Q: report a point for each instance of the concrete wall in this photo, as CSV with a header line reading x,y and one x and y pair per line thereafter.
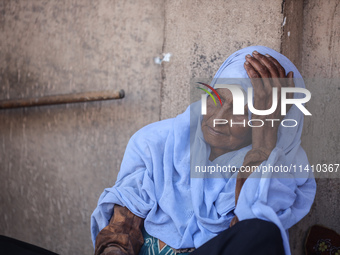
x,y
202,34
320,59
56,160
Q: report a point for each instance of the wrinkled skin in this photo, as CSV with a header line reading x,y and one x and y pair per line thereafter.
x,y
123,234
224,138
265,73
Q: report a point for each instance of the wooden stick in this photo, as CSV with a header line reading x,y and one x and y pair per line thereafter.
x,y
62,99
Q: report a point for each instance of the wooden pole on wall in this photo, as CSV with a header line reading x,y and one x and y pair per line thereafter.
x,y
62,99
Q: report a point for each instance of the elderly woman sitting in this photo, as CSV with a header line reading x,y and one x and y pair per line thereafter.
x,y
165,200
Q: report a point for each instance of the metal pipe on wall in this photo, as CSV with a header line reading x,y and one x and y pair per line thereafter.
x,y
63,99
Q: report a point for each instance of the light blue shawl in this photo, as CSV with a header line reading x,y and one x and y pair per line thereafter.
x,y
154,180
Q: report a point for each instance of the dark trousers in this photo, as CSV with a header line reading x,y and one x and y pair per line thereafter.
x,y
247,237
10,246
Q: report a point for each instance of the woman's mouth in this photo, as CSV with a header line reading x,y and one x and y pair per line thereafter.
x,y
213,131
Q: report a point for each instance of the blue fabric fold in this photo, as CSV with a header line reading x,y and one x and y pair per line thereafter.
x,y
154,181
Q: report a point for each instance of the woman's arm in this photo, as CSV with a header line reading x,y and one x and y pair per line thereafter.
x,y
122,236
265,73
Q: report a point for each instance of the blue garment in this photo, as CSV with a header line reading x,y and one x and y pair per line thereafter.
x,y
154,180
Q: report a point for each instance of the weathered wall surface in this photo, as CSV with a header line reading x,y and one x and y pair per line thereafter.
x,y
292,31
202,34
320,58
56,160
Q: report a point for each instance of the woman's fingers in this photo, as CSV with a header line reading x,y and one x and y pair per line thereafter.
x,y
281,70
262,70
255,79
290,77
265,73
275,69
252,73
290,83
272,68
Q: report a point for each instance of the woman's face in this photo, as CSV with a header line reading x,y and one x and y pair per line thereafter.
x,y
224,138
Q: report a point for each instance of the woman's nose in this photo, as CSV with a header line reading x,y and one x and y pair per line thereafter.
x,y
224,112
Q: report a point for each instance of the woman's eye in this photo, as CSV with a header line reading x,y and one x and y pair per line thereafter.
x,y
210,100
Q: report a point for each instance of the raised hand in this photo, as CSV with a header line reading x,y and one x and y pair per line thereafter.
x,y
265,73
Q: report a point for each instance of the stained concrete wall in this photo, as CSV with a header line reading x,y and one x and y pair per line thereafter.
x,y
56,160
320,59
202,34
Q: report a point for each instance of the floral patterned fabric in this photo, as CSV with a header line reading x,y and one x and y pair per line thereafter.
x,y
153,246
322,241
